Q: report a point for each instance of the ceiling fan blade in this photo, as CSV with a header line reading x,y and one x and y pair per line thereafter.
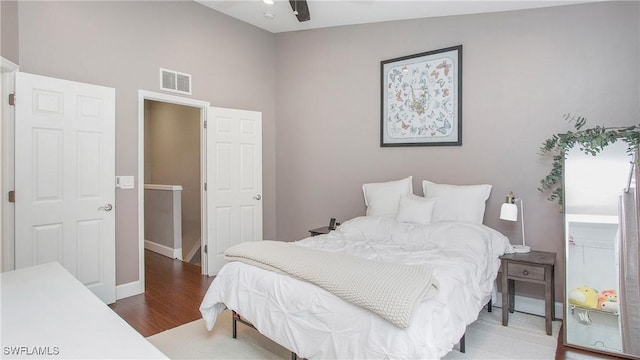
x,y
300,9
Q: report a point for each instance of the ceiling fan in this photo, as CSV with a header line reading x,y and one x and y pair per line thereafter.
x,y
300,9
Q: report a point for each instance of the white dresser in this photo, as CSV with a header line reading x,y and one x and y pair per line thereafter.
x,y
47,313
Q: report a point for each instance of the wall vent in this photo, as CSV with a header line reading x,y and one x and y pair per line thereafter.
x,y
174,81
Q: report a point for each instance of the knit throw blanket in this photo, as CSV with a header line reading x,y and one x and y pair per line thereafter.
x,y
392,291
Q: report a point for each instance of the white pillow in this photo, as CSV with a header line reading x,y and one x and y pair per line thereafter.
x,y
457,202
415,209
382,199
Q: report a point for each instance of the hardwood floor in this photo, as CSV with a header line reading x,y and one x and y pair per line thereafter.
x,y
175,289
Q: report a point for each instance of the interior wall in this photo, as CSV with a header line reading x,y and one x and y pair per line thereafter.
x,y
122,44
522,71
172,157
9,30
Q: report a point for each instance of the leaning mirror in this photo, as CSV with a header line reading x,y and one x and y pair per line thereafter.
x,y
602,295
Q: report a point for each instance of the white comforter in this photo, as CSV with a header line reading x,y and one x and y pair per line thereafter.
x,y
318,325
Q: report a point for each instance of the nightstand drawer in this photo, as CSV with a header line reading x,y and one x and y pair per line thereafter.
x,y
525,271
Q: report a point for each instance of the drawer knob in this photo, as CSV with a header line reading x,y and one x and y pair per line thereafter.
x,y
525,272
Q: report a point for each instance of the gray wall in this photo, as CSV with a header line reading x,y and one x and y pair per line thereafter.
x,y
162,213
9,30
521,72
122,44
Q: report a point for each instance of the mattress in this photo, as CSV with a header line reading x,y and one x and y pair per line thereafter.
x,y
316,324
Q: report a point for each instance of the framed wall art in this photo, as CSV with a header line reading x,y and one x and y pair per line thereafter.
x,y
422,99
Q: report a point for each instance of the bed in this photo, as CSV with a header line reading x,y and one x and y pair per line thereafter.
x,y
461,256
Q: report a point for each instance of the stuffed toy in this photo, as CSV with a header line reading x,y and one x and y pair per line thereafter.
x,y
584,296
608,301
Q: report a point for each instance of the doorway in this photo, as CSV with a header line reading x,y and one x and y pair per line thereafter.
x,y
172,180
201,107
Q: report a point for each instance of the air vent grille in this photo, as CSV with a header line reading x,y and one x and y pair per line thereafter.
x,y
174,81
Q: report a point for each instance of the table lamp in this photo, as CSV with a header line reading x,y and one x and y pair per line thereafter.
x,y
509,212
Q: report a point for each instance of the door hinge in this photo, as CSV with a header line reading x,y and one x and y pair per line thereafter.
x,y
12,99
205,124
206,249
205,186
12,196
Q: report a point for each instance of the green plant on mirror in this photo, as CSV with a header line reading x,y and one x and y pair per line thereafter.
x,y
590,141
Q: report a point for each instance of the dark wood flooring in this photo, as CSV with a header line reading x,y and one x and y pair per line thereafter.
x,y
174,290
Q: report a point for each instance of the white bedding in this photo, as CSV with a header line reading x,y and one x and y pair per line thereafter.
x,y
318,325
391,290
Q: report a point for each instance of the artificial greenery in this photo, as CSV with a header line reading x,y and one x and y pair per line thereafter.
x,y
590,141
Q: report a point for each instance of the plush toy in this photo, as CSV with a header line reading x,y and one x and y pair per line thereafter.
x,y
584,296
612,307
608,301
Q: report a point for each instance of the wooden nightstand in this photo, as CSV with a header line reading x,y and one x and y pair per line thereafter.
x,y
319,231
534,267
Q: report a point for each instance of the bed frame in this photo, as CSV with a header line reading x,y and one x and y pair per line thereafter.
x,y
237,319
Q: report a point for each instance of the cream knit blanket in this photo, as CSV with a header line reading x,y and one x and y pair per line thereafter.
x,y
392,291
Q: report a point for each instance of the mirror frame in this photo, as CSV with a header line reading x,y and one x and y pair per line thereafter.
x,y
566,258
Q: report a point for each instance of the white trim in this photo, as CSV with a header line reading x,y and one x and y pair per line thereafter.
x,y
193,251
163,187
7,210
129,289
203,105
529,305
7,65
163,250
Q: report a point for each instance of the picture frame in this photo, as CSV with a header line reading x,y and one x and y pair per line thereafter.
x,y
421,99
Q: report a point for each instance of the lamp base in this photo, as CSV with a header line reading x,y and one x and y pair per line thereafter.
x,y
521,249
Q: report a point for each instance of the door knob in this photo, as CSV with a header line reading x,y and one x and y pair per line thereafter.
x,y
257,197
107,207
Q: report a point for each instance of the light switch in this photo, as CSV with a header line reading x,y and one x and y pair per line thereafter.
x,y
124,182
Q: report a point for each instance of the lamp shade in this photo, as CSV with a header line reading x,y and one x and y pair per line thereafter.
x,y
509,212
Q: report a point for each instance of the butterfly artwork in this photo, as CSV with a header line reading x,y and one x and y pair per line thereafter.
x,y
420,98
446,125
445,66
393,74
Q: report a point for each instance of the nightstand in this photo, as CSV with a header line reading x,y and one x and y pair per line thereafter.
x,y
534,267
319,231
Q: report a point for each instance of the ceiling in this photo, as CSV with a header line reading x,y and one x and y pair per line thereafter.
x,y
326,13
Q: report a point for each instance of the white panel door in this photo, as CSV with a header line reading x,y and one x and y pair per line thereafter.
x,y
234,181
65,179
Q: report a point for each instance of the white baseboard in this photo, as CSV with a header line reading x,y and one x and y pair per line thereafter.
x,y
163,250
129,289
193,251
529,305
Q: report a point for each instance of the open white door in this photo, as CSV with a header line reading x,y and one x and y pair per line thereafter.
x,y
65,179
234,181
